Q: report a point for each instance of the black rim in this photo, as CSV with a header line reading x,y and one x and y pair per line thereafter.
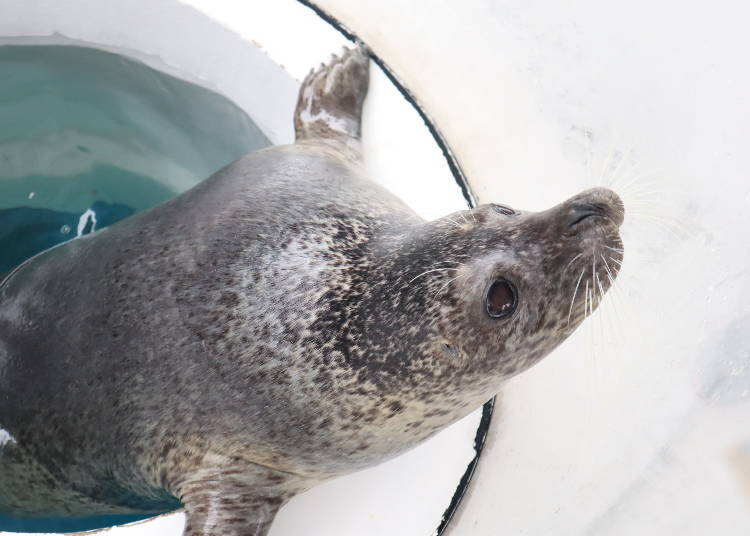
x,y
460,178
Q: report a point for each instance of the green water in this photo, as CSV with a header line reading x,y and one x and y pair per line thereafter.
x,y
89,137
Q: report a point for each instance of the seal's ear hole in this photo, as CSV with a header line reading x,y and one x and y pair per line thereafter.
x,y
501,299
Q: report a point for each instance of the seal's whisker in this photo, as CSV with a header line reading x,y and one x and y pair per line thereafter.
x,y
658,217
593,275
592,297
638,175
571,262
619,250
445,286
640,178
591,331
602,293
646,196
673,226
595,296
640,196
613,318
607,269
601,288
673,230
634,180
573,299
615,292
619,262
586,302
430,271
602,316
669,224
648,201
446,218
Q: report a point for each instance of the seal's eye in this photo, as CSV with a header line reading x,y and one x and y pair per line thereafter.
x,y
501,299
502,209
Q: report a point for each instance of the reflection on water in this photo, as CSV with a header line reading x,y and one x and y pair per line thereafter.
x,y
26,231
88,138
97,199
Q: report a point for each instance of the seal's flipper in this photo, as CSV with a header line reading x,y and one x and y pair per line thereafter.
x,y
330,100
221,514
235,499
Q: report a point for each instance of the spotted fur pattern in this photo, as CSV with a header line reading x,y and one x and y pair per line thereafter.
x,y
283,322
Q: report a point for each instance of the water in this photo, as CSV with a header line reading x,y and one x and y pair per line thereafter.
x,y
82,126
88,138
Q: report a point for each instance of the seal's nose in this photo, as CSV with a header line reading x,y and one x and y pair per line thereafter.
x,y
596,202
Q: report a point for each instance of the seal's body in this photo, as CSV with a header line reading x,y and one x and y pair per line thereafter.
x,y
283,322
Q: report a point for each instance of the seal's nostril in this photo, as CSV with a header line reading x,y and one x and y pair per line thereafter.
x,y
601,202
582,211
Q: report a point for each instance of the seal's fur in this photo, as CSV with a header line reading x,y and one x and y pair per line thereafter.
x,y
283,322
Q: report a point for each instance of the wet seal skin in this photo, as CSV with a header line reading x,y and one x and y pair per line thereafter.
x,y
284,322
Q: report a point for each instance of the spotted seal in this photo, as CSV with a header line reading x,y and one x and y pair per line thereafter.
x,y
284,322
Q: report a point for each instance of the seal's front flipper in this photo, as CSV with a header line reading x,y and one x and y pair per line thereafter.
x,y
330,100
239,499
225,514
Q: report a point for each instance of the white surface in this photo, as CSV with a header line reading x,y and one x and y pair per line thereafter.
x,y
639,423
397,146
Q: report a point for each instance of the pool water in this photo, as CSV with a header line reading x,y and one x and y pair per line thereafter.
x,y
88,138
81,126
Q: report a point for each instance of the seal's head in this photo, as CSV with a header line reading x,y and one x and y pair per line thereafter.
x,y
500,288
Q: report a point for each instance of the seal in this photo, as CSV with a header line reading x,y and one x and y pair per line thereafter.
x,y
284,322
